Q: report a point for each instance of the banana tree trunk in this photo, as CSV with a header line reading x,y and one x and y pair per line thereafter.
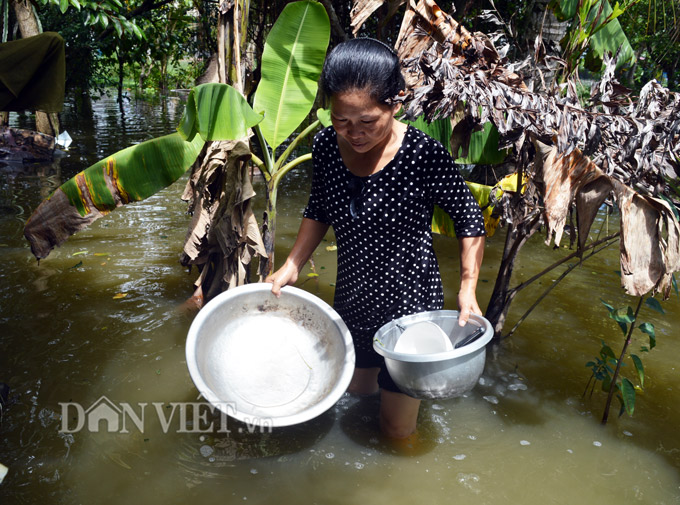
x,y
269,230
47,123
223,237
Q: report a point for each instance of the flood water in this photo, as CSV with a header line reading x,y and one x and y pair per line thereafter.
x,y
99,318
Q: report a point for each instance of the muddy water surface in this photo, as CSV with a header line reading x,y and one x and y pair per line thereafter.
x,y
97,324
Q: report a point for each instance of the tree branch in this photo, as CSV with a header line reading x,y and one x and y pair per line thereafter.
x,y
523,285
335,22
553,285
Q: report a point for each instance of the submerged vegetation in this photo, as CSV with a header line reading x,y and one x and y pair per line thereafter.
x,y
606,368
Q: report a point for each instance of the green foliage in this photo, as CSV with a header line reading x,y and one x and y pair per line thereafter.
x,y
627,397
86,66
217,112
104,13
601,367
594,31
136,172
169,46
648,328
605,368
294,53
154,43
653,30
483,147
324,116
291,65
654,304
439,129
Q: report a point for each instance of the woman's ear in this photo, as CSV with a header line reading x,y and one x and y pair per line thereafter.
x,y
398,104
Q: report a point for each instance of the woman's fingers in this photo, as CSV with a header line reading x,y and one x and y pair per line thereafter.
x,y
463,317
467,304
282,277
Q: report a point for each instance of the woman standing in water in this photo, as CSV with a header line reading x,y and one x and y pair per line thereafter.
x,y
376,181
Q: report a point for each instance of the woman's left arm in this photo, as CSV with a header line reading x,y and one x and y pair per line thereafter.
x,y
471,254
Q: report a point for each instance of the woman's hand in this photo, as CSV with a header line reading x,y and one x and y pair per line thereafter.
x,y
284,276
309,236
467,304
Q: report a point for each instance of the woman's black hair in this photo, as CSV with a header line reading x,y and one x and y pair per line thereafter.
x,y
363,63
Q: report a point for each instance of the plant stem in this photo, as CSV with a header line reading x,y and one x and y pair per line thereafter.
x,y
282,159
592,376
266,154
563,260
554,284
260,164
612,386
288,166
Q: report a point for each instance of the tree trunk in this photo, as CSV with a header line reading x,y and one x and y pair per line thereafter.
x,y
163,81
269,231
336,25
141,82
121,74
215,201
29,27
502,296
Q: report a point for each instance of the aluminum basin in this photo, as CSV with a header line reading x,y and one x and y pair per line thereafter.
x,y
440,375
270,361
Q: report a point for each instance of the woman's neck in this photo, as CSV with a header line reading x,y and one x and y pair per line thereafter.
x,y
371,162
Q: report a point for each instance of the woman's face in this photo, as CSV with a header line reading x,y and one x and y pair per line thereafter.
x,y
361,121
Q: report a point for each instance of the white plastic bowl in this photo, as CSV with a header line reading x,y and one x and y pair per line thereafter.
x,y
270,361
424,337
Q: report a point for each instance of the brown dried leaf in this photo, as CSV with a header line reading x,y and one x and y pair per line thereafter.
x,y
362,10
220,192
642,265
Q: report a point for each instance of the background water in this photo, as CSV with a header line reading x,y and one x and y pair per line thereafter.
x,y
523,435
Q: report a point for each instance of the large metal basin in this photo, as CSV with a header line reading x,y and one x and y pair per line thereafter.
x,y
270,361
440,375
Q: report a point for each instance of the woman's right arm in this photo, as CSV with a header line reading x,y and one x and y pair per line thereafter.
x,y
309,237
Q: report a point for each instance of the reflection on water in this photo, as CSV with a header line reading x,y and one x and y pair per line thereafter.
x,y
99,318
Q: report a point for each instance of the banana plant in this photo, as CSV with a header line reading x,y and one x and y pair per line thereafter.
x,y
291,64
594,31
213,112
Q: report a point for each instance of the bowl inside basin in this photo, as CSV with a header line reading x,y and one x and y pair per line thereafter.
x,y
267,360
387,336
436,375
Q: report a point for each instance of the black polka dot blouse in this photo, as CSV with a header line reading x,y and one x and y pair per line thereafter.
x,y
386,263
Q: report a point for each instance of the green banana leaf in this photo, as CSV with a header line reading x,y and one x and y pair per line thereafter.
x,y
608,39
324,117
443,224
291,65
217,112
213,112
439,129
133,174
483,148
